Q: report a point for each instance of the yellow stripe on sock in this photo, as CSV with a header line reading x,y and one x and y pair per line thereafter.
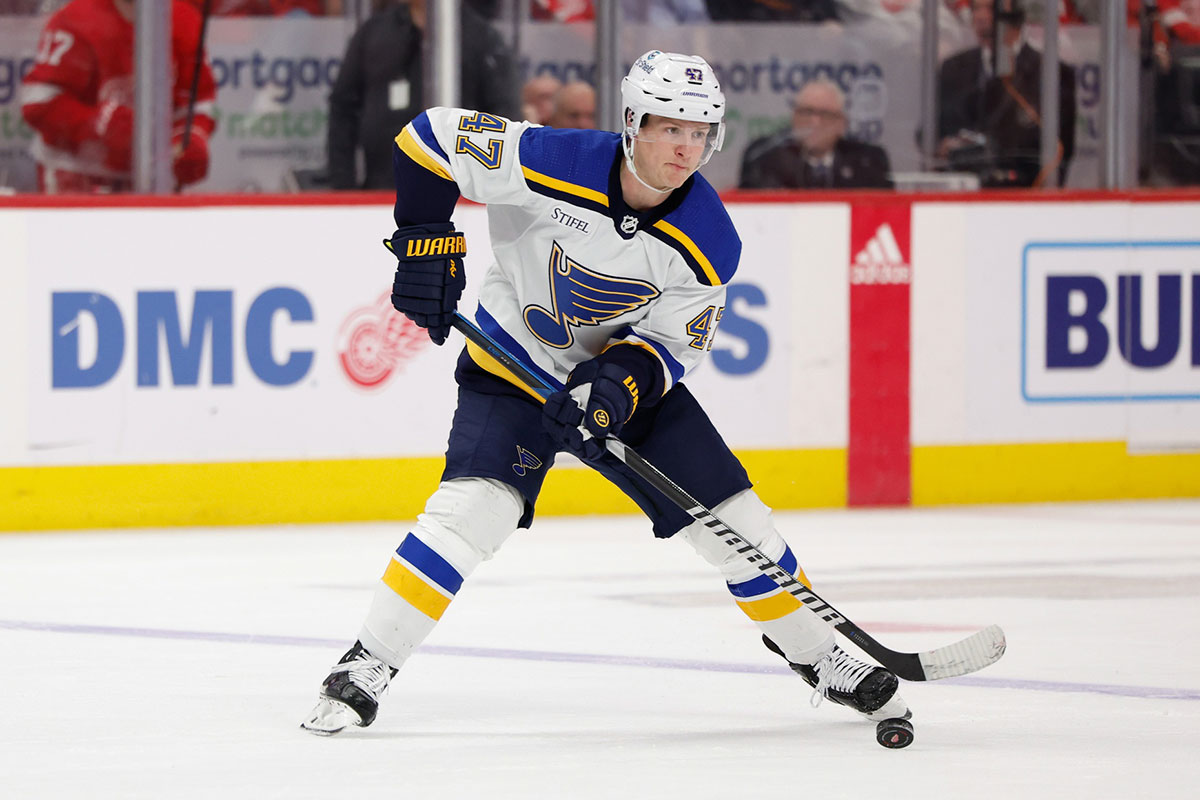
x,y
419,594
800,576
769,608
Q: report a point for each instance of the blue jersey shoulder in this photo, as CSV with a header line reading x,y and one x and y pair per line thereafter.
x,y
568,159
706,232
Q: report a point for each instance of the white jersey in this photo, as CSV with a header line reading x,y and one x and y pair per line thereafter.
x,y
577,270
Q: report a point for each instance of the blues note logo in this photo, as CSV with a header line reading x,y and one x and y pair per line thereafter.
x,y
525,461
579,296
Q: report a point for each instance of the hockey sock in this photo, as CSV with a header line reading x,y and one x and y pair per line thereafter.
x,y
465,522
802,636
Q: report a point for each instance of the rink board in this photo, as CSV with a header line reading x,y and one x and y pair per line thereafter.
x,y
227,360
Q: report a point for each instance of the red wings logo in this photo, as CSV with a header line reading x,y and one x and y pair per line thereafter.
x,y
375,340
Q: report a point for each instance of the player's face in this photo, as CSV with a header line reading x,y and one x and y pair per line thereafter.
x,y
669,150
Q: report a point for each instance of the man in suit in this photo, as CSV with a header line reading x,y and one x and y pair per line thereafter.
x,y
815,153
379,89
990,97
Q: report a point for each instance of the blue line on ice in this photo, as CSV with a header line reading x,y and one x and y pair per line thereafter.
x,y
1150,692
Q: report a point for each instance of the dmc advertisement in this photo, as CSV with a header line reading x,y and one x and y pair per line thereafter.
x,y
271,336
257,340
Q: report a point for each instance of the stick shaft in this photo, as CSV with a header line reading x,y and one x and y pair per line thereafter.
x,y
197,64
969,655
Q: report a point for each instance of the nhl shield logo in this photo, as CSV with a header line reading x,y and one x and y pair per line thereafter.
x,y
629,223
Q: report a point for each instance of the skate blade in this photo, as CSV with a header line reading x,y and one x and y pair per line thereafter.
x,y
330,717
895,708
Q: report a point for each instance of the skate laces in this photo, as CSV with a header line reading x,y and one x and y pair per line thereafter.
x,y
837,671
367,672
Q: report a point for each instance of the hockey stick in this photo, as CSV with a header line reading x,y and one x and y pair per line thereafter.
x,y
969,655
194,89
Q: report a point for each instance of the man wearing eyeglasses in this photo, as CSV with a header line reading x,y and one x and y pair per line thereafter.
x,y
814,153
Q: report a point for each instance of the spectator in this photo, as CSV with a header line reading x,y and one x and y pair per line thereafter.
x,y
537,97
562,11
1181,18
1172,157
379,88
1068,12
489,9
265,8
773,10
663,12
637,12
78,98
815,153
989,119
574,107
21,7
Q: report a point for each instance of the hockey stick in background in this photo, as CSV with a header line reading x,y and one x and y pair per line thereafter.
x,y
969,655
194,89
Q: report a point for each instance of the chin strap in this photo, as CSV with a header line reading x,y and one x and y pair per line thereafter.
x,y
633,169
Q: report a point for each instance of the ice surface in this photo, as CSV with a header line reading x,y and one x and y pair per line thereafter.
x,y
589,660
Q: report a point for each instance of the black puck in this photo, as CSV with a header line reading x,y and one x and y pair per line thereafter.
x,y
894,733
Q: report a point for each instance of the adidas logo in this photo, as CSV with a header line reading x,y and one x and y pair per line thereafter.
x,y
881,261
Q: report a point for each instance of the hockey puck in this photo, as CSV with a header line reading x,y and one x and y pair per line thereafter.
x,y
894,733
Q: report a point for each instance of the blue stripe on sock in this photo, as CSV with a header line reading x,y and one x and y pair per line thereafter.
x,y
762,584
424,558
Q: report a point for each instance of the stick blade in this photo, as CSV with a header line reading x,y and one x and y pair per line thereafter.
x,y
962,658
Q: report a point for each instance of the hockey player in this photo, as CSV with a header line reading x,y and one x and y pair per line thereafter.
x,y
78,98
611,259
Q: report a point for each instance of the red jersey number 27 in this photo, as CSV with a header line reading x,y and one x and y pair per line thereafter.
x,y
53,46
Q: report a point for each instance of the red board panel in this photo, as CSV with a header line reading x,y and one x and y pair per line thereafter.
x,y
879,456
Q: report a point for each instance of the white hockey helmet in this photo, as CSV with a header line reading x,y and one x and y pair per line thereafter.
x,y
675,86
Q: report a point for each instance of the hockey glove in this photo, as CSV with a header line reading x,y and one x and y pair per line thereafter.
x,y
598,401
191,164
114,126
430,277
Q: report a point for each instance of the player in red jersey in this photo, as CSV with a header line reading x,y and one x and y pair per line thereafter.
x,y
264,8
78,98
1174,16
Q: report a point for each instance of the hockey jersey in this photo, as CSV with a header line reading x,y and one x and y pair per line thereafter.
x,y
83,71
576,270
1172,16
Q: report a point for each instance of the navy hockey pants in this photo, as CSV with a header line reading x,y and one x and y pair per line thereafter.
x,y
497,433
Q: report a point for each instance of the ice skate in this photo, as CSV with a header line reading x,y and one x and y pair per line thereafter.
x,y
839,677
350,694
